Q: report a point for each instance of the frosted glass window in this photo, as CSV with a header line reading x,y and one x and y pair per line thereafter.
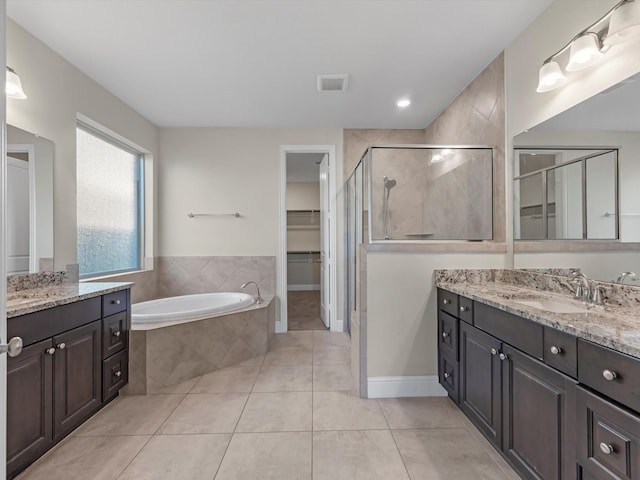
x,y
109,193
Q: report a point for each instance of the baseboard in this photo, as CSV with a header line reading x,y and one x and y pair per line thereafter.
x,y
303,287
337,326
396,387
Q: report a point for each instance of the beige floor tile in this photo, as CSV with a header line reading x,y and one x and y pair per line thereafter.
x,y
331,378
445,454
267,456
82,458
182,387
331,355
228,380
277,412
284,378
184,457
288,356
331,339
292,339
356,455
344,411
131,415
251,362
205,413
421,412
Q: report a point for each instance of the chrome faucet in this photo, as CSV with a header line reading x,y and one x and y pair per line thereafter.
x,y
583,288
259,299
630,275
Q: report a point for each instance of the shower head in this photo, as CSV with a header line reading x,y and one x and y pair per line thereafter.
x,y
389,183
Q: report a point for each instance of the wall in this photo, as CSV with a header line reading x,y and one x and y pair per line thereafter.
x,y
303,196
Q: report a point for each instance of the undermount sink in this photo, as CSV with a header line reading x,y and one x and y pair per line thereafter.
x,y
554,306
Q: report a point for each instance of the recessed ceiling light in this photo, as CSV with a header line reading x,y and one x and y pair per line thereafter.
x,y
403,103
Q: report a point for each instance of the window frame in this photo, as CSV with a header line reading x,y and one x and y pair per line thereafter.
x,y
140,193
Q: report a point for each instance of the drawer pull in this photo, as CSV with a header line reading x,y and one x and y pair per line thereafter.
x,y
445,334
446,301
62,346
494,351
116,333
503,356
117,374
117,302
446,375
606,449
555,350
464,309
50,351
609,375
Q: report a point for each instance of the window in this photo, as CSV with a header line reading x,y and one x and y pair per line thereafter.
x,y
110,204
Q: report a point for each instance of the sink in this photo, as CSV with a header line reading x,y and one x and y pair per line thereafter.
x,y
554,306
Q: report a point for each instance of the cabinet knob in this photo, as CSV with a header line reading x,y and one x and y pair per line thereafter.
x,y
50,351
117,374
494,351
606,448
116,333
445,334
446,301
555,350
503,356
609,375
117,302
62,346
446,375
464,309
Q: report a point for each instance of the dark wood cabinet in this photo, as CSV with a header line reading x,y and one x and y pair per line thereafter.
x,y
481,381
56,383
538,417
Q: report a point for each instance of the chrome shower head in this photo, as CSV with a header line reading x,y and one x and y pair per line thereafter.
x,y
389,183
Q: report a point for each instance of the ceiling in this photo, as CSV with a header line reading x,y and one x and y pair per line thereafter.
x,y
253,63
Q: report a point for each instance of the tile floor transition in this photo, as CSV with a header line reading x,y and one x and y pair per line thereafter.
x,y
287,415
303,310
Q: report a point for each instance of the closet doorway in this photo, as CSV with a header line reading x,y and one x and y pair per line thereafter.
x,y
306,262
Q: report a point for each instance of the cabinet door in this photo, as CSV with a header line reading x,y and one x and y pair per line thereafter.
x,y
539,418
480,381
77,377
29,405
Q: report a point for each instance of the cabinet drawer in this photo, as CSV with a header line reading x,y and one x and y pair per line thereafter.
x,y
115,334
448,302
561,351
608,439
518,332
609,372
466,309
448,374
448,334
114,303
115,375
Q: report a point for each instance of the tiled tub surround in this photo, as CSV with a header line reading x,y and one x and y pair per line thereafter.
x,y
616,325
163,355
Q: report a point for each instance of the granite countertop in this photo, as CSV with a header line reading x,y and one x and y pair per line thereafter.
x,y
35,299
613,326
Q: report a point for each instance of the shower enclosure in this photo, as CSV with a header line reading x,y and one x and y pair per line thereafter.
x,y
403,194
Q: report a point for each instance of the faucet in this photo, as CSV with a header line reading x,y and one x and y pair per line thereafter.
x,y
583,288
630,275
259,299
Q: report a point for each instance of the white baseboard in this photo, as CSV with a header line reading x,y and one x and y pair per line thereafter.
x,y
337,326
303,287
396,387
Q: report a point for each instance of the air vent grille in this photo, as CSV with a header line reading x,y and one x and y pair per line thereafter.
x,y
333,82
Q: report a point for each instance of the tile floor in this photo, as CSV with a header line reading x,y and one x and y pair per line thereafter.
x,y
303,311
287,415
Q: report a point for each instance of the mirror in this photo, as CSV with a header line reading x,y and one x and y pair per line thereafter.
x,y
29,202
577,187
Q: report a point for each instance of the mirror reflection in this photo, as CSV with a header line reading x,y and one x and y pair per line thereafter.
x,y
29,202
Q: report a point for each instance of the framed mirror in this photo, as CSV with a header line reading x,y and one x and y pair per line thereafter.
x,y
577,187
29,202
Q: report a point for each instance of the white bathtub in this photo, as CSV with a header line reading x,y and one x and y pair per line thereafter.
x,y
188,307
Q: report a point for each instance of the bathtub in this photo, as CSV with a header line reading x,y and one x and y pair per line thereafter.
x,y
188,308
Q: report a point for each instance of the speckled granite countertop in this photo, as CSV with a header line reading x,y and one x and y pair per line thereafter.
x,y
36,299
613,326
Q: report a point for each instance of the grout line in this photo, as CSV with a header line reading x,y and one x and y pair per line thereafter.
x,y
172,412
394,439
134,457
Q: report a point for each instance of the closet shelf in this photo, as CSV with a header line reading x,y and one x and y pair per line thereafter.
x,y
303,227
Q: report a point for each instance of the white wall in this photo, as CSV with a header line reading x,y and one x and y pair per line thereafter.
x,y
303,196
57,92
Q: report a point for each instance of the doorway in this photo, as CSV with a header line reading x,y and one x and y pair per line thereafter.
x,y
306,267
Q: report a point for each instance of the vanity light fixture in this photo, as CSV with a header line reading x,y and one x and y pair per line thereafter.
x,y
620,24
403,102
13,86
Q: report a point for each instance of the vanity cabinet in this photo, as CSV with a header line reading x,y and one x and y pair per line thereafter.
x,y
58,381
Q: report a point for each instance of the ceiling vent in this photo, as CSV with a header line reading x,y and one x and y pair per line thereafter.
x,y
333,82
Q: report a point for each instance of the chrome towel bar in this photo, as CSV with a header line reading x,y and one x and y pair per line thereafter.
x,y
193,215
